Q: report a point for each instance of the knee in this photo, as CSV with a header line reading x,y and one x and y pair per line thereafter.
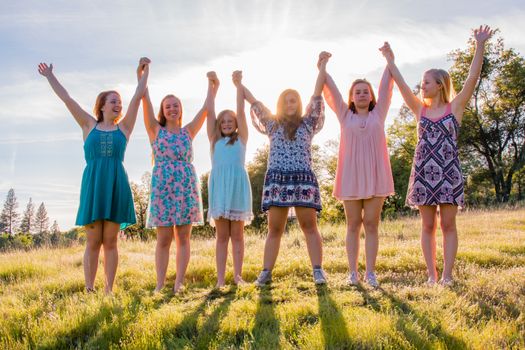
x,y
275,232
110,244
428,228
448,227
223,238
183,240
353,225
371,226
93,245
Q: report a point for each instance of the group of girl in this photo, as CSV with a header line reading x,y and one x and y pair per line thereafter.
x,y
363,177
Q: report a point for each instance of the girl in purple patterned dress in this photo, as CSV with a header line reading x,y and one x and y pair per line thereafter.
x,y
289,180
175,199
436,179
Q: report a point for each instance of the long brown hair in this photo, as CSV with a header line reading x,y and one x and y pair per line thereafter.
x,y
289,123
162,118
100,102
218,133
442,77
351,104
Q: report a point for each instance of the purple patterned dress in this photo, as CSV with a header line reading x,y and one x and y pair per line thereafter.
x,y
436,176
289,180
175,192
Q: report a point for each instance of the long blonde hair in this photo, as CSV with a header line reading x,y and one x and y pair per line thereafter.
x,y
447,93
289,123
162,118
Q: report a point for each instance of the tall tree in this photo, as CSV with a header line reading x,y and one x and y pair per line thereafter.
x,y
141,193
9,216
256,171
41,219
28,218
494,121
54,228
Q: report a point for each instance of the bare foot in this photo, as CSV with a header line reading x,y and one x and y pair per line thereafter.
x,y
179,287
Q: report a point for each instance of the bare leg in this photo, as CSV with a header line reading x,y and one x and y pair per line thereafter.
x,y
237,237
92,252
448,214
354,219
162,254
428,238
182,240
109,243
308,221
222,228
372,215
277,217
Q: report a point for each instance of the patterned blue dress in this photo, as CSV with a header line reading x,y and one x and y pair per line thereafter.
x,y
229,191
436,176
289,180
105,193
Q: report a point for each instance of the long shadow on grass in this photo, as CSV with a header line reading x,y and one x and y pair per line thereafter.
x,y
333,324
266,330
407,316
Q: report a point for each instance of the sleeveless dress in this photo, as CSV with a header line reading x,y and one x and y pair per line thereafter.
x,y
175,197
363,165
436,176
289,179
229,191
105,193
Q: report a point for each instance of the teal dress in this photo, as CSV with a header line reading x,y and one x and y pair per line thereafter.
x,y
105,193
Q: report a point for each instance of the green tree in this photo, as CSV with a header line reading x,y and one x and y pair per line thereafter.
x,y
41,219
402,141
492,138
141,194
27,225
325,166
256,171
9,215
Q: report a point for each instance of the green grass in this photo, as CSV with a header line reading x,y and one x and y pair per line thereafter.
x,y
43,305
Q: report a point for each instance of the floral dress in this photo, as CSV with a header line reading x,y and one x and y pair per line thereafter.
x,y
175,197
289,180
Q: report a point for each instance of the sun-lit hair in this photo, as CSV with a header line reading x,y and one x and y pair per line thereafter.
x,y
162,118
447,93
351,104
289,123
101,101
218,133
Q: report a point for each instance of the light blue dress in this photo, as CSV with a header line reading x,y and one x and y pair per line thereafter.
x,y
229,191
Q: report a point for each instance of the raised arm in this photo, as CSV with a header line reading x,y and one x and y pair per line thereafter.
x,y
331,93
84,119
210,106
242,125
384,96
411,100
195,125
150,122
321,76
481,35
128,122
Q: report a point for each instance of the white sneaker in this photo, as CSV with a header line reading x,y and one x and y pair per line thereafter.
x,y
353,278
319,276
264,277
371,279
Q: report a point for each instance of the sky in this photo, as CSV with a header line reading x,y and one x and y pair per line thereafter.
x,y
95,45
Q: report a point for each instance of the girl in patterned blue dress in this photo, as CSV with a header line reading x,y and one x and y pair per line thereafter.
x,y
106,203
229,192
436,180
175,199
289,180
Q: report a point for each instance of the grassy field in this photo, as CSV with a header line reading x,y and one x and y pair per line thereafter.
x,y
43,304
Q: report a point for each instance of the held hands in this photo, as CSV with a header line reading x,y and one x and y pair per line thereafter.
x,y
482,34
45,70
387,52
144,63
323,59
213,80
237,78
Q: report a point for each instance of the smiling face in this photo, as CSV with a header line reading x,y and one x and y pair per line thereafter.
x,y
171,108
108,106
430,87
227,123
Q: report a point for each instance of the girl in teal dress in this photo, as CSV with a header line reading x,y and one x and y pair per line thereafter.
x,y
106,203
175,200
229,192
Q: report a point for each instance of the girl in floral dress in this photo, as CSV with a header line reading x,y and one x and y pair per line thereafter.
x,y
175,200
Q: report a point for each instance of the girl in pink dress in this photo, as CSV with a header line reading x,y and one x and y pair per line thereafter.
x,y
363,177
436,180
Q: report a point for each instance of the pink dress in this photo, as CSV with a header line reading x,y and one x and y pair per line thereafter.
x,y
363,166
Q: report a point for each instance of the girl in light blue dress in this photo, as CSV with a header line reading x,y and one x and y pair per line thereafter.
x,y
229,191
